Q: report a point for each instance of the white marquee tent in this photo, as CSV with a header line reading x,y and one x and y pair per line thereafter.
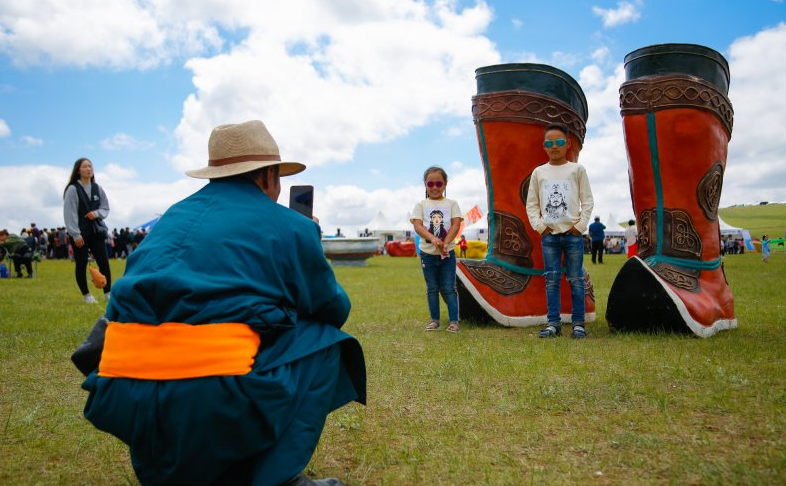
x,y
727,229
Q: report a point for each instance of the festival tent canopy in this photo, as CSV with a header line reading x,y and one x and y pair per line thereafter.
x,y
475,230
149,225
381,224
613,228
727,229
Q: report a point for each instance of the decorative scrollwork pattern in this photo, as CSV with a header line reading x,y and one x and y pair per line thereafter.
x,y
682,278
526,106
708,192
524,190
501,280
680,238
675,91
511,243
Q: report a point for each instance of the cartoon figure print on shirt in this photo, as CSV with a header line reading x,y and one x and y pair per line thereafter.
x,y
436,225
557,197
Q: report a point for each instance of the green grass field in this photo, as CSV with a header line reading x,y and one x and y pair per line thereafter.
x,y
489,405
759,220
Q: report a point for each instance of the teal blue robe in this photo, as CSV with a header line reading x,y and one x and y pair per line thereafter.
x,y
228,253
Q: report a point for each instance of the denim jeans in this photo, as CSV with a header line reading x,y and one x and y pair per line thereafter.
x,y
440,275
572,247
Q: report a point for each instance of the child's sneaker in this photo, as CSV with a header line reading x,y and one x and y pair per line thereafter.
x,y
89,299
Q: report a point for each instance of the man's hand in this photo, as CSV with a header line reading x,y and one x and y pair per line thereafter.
x,y
573,231
91,215
79,242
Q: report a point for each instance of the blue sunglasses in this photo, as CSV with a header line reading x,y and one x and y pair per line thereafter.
x,y
550,143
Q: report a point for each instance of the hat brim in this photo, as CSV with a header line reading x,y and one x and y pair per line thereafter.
x,y
285,169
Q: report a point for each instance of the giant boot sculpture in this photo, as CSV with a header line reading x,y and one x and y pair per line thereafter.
x,y
514,104
677,121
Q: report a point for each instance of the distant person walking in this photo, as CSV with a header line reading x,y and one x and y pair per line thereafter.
x,y
630,238
597,236
437,255
463,247
765,249
85,206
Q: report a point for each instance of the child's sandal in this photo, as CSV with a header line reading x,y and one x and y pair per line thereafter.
x,y
578,332
550,331
432,326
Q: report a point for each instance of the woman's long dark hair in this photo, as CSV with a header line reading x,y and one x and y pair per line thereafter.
x,y
75,173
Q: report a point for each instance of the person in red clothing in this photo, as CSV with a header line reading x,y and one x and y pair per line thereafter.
x,y
463,247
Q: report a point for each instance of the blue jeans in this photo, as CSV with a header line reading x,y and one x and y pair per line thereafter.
x,y
572,247
440,275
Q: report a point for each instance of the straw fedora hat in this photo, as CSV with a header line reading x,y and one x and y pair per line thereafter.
x,y
240,148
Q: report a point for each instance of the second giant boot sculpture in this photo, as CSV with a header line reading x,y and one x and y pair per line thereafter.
x,y
677,121
513,106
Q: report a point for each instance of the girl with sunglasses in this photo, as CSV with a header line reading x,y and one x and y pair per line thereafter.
x,y
437,255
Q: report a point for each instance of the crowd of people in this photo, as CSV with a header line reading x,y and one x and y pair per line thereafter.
x,y
53,244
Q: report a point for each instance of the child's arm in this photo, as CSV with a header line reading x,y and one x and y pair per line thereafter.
x,y
585,199
533,206
455,225
424,233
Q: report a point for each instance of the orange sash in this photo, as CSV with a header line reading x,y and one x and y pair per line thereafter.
x,y
174,351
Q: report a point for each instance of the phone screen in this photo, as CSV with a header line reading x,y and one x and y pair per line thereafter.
x,y
301,199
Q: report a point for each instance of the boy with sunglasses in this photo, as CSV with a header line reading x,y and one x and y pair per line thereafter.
x,y
559,205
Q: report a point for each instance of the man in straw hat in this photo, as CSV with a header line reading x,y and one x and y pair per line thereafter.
x,y
223,355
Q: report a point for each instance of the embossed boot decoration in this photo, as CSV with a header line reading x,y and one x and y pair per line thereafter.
x,y
677,120
513,106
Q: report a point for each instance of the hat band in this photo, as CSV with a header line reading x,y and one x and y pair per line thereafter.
x,y
242,158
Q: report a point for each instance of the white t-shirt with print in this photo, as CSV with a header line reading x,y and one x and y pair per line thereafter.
x,y
436,215
559,197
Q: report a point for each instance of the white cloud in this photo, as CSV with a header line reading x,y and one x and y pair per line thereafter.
x,y
4,130
625,12
127,34
455,131
756,164
600,54
32,141
339,80
516,23
327,78
35,193
124,141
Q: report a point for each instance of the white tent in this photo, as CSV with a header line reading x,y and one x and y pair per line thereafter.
x,y
477,231
381,227
727,229
613,228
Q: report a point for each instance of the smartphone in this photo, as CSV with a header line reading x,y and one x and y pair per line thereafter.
x,y
301,199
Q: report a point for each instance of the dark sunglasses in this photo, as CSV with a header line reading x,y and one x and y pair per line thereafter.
x,y
550,143
437,183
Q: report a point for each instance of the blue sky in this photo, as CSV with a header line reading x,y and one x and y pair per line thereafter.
x,y
367,93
